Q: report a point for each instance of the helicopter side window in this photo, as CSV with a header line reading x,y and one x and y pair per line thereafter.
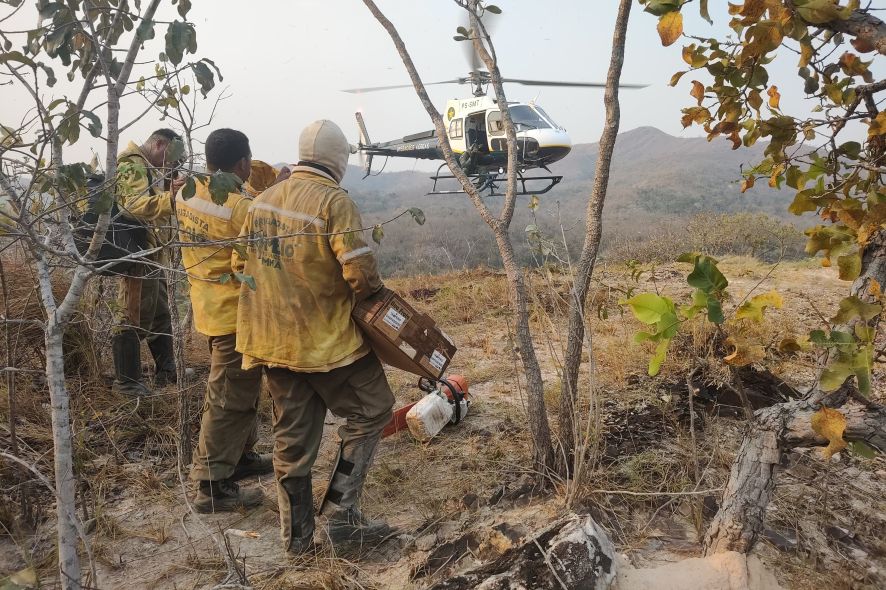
x,y
455,129
495,123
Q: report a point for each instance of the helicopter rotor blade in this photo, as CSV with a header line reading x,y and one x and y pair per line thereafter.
x,y
395,86
562,83
471,56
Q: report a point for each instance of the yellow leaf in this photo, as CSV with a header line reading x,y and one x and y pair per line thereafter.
x,y
806,52
753,308
697,91
794,344
747,183
676,78
670,27
774,96
830,424
744,352
878,125
755,100
875,289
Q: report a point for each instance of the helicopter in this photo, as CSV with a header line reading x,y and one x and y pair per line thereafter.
x,y
477,137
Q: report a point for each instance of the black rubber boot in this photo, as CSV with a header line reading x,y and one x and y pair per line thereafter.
x,y
126,350
164,359
252,463
346,524
297,515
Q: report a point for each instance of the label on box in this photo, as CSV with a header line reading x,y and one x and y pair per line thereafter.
x,y
438,361
410,352
394,319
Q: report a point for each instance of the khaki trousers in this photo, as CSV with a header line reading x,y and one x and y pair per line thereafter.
x,y
153,307
229,424
358,392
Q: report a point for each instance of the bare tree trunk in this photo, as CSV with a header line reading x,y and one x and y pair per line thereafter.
x,y
185,409
542,448
10,363
593,230
65,482
740,519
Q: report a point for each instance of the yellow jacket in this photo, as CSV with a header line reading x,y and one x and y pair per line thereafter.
x,y
141,200
201,220
299,315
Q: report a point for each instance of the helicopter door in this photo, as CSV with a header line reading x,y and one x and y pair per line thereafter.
x,y
475,131
456,135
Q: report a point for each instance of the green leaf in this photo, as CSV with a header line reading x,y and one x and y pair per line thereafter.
x,y
378,232
706,276
462,31
703,10
205,76
691,257
660,7
493,9
17,56
240,249
221,185
699,303
715,311
95,124
862,449
175,151
145,30
189,189
184,6
849,266
249,280
459,38
853,307
661,352
649,308
418,215
180,37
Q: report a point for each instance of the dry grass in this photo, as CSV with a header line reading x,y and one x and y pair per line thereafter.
x,y
450,485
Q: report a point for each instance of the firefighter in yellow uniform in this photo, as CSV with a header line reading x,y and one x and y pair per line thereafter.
x,y
228,429
310,265
145,193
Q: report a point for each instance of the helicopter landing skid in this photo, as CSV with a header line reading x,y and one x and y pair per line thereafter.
x,y
493,182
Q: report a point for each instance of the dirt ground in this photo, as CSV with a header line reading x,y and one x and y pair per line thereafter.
x,y
470,493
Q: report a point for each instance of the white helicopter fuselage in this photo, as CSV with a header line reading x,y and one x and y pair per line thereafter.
x,y
476,123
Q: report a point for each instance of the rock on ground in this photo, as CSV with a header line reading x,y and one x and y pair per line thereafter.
x,y
573,552
723,571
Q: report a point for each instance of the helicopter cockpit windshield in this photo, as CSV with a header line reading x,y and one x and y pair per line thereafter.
x,y
524,117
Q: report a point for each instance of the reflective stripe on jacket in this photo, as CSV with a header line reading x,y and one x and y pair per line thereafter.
x,y
310,265
202,220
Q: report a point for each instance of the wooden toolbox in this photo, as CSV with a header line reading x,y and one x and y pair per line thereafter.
x,y
403,337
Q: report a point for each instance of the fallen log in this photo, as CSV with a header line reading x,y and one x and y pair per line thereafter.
x,y
777,429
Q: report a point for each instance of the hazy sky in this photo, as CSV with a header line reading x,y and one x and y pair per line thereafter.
x,y
285,63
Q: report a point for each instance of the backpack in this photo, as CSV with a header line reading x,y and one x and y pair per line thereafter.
x,y
125,235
